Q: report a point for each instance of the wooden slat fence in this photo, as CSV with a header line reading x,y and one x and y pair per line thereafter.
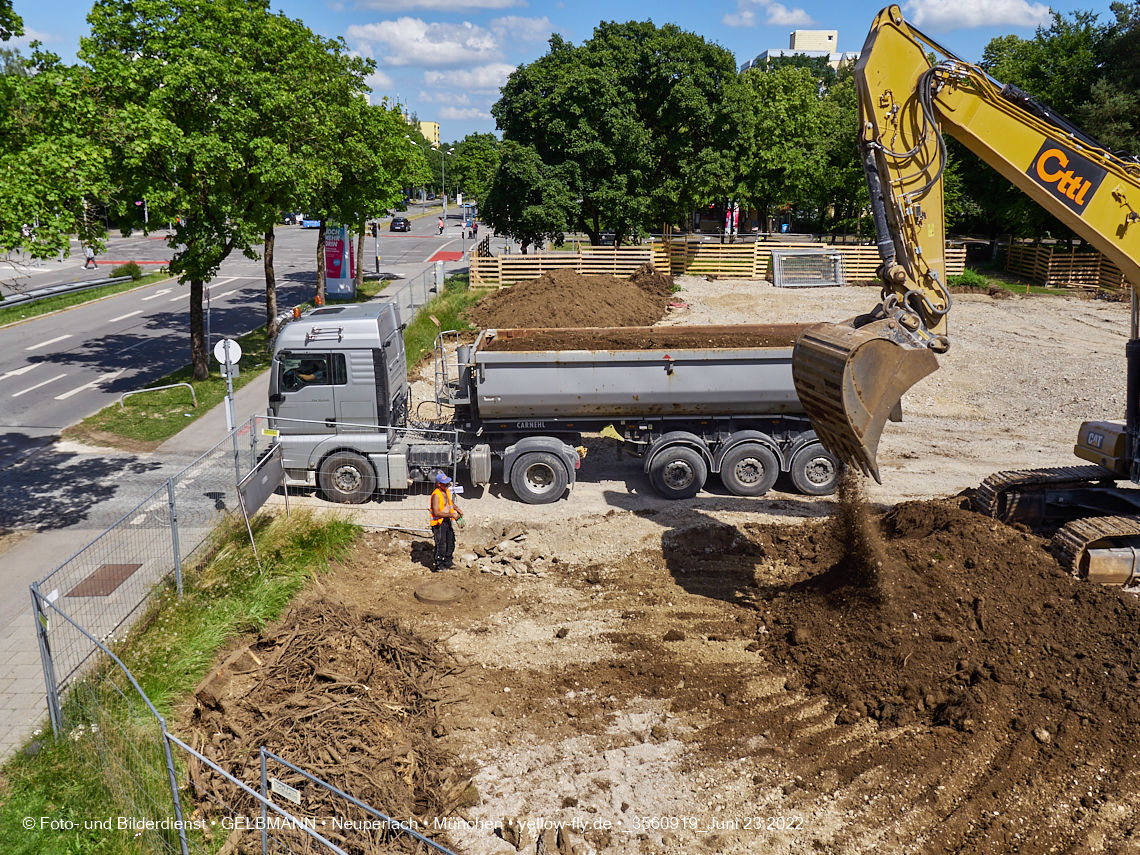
x,y
715,260
1054,266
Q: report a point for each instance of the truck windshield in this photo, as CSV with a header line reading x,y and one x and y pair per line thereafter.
x,y
298,370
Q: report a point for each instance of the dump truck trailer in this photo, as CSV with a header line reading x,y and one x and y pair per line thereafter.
x,y
689,401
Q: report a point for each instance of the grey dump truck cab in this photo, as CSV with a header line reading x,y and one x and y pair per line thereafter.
x,y
691,402
338,392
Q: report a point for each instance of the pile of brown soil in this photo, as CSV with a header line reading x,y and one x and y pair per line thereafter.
x,y
972,627
350,696
563,298
648,338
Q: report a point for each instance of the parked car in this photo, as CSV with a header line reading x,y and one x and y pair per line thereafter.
x,y
290,218
400,224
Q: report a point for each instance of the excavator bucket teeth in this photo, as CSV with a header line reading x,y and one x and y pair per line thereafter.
x,y
850,380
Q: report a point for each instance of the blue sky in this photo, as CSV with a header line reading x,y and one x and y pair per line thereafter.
x,y
447,58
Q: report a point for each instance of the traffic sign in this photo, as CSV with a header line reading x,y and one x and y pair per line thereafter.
x,y
220,351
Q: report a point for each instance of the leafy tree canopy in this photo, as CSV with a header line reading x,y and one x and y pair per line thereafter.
x,y
640,123
476,159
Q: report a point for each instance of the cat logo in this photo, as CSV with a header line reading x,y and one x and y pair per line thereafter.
x,y
1069,177
1095,440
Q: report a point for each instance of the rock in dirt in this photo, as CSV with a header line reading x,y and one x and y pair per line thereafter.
x,y
562,632
674,635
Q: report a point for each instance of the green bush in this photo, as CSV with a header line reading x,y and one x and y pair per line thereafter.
x,y
130,269
970,278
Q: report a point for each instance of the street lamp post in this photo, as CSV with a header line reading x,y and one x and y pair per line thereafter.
x,y
443,178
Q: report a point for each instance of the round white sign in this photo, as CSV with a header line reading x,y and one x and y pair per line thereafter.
x,y
220,351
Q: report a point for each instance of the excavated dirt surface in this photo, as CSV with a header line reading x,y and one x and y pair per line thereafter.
x,y
563,298
646,338
785,674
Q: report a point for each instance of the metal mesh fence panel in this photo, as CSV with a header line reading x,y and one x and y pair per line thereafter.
x,y
794,268
343,819
106,586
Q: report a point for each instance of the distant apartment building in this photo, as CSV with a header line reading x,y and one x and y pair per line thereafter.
x,y
811,43
430,130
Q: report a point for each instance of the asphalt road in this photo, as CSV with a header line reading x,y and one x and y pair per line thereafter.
x,y
58,369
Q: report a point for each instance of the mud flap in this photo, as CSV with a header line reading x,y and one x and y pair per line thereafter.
x,y
851,380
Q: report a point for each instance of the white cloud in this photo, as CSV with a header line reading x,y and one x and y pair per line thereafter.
x,y
942,15
776,14
466,114
29,36
441,5
518,28
410,41
379,81
485,78
444,98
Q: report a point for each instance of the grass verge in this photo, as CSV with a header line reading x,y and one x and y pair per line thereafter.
x,y
12,314
148,420
975,279
419,337
168,654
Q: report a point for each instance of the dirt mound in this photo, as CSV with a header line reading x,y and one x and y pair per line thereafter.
x,y
348,695
982,634
563,298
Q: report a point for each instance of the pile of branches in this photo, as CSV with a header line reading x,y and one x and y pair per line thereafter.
x,y
351,697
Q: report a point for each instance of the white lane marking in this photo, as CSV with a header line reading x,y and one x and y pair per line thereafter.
x,y
179,297
16,372
103,379
226,294
46,343
156,294
124,317
33,388
219,282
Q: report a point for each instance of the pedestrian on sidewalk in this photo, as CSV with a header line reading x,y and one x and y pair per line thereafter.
x,y
89,254
443,512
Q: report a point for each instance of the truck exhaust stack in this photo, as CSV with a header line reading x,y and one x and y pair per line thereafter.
x,y
850,381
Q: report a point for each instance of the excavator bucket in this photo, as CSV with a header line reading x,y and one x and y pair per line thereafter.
x,y
850,381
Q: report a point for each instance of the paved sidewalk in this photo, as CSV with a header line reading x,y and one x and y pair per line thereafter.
x,y
23,697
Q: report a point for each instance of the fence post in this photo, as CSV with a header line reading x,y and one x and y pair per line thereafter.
x,y
174,534
252,442
264,806
174,797
50,686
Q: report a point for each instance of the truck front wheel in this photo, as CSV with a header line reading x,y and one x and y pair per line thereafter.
x,y
678,472
347,478
750,469
539,478
816,471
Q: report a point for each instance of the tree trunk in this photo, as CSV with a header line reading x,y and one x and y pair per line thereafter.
x,y
199,357
360,256
321,263
270,289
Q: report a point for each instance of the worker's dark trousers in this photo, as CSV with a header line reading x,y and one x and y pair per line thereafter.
x,y
444,545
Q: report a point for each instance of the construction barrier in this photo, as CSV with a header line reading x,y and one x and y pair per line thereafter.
x,y
751,260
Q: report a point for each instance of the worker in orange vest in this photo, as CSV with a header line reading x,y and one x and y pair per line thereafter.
x,y
443,512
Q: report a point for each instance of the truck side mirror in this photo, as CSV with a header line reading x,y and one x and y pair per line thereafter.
x,y
277,399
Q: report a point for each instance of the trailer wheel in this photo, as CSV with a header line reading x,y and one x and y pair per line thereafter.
x,y
750,469
347,478
816,471
678,472
539,478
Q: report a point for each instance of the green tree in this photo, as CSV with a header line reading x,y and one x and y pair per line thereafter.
x,y
476,159
639,123
528,200
51,155
786,136
197,91
11,24
1112,113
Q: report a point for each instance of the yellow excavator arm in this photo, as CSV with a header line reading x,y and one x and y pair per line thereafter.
x,y
851,377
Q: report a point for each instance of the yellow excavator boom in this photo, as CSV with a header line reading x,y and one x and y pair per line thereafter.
x,y
851,377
